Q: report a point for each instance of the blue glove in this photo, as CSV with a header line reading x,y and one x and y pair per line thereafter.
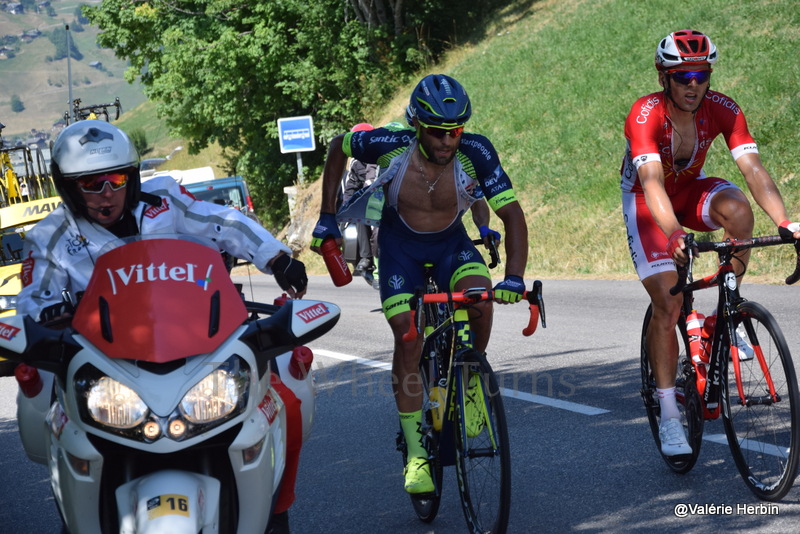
x,y
510,290
326,227
485,230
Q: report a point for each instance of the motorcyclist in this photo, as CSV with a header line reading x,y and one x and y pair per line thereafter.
x,y
95,169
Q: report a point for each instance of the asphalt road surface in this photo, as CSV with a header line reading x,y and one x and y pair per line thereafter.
x,y
583,457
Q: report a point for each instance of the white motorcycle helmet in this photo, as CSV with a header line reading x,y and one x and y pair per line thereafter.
x,y
93,147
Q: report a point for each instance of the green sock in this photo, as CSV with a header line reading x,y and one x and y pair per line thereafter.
x,y
411,423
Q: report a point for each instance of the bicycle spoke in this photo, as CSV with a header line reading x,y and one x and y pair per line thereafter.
x,y
762,427
483,465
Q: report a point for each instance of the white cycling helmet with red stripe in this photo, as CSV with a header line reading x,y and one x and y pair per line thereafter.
x,y
685,49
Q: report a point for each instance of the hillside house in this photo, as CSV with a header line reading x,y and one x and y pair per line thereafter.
x,y
15,8
96,65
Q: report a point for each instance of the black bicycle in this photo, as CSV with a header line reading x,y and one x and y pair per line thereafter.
x,y
453,375
739,366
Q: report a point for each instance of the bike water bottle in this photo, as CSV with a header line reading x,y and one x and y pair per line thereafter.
x,y
295,371
334,261
707,337
694,329
437,404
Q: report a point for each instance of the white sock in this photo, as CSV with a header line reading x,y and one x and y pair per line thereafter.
x,y
669,406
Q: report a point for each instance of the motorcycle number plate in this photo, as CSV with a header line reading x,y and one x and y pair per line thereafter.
x,y
169,504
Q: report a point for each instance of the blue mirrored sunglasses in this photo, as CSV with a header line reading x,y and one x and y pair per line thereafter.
x,y
685,77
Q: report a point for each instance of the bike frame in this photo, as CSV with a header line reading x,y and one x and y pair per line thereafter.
x,y
711,392
462,344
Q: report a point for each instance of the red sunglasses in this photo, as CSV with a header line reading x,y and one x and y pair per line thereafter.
x,y
96,183
439,133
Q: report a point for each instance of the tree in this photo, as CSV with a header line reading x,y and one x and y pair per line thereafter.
x,y
139,140
225,70
16,104
59,38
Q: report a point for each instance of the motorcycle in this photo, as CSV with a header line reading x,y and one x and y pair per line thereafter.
x,y
155,409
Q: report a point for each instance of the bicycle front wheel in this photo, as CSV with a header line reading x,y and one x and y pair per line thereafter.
x,y
761,421
685,392
483,460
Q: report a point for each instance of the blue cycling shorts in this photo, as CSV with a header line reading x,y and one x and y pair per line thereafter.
x,y
402,255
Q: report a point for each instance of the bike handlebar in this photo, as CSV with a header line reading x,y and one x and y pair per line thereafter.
x,y
731,246
473,296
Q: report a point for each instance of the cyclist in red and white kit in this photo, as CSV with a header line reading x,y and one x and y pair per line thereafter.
x,y
664,189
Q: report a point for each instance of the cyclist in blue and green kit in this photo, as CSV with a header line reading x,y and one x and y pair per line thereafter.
x,y
430,174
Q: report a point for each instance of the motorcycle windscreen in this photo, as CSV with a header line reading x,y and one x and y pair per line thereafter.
x,y
159,300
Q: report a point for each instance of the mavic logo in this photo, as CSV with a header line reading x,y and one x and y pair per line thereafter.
x,y
40,209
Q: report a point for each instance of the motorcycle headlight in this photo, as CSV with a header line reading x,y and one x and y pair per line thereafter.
x,y
217,395
8,302
114,404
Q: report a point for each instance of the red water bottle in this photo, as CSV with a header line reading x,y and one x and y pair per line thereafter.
x,y
708,337
334,261
694,329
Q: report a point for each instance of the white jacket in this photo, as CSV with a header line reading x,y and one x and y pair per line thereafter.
x,y
60,251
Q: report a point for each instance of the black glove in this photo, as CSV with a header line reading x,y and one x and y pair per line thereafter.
x,y
289,273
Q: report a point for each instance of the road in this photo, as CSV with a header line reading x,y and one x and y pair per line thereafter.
x,y
582,453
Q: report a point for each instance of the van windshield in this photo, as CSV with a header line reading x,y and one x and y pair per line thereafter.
x,y
226,196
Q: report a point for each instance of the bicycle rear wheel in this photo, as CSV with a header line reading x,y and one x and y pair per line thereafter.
x,y
762,430
685,392
483,460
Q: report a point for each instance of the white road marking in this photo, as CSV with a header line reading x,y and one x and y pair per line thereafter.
x,y
506,392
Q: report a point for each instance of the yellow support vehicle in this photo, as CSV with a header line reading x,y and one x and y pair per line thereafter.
x,y
15,220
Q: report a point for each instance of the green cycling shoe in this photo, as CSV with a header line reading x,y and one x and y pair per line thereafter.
x,y
418,476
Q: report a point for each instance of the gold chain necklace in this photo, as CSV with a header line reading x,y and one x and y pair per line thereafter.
x,y
431,186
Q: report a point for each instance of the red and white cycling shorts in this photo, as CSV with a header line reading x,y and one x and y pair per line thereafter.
x,y
646,241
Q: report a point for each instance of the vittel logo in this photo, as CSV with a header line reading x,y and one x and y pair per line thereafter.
x,y
268,407
644,111
313,313
7,331
140,274
153,211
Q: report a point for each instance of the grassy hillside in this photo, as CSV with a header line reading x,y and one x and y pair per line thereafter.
x,y
552,84
42,85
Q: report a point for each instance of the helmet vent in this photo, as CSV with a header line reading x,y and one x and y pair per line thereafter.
x,y
94,135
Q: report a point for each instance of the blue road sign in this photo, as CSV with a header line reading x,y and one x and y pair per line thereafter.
x,y
296,134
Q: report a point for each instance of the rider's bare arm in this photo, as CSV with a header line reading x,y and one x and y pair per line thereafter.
x,y
651,175
516,239
763,188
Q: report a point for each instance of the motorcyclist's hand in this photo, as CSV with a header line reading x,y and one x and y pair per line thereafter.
x,y
676,246
509,290
326,227
789,230
290,274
